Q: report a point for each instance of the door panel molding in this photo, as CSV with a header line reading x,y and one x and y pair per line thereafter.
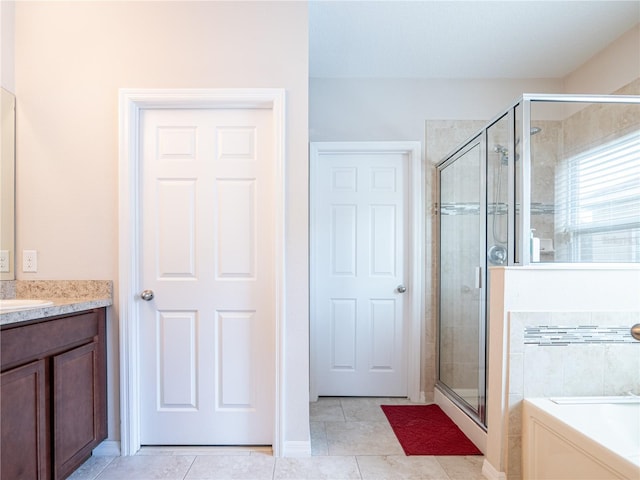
x,y
131,103
415,244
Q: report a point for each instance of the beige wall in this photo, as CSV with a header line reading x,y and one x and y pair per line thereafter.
x,y
7,48
609,70
362,109
71,59
395,108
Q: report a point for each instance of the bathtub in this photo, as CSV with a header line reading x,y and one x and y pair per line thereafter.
x,y
581,438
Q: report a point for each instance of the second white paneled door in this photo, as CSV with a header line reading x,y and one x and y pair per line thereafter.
x,y
361,280
207,340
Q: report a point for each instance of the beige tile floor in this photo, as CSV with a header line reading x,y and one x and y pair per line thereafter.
x,y
350,439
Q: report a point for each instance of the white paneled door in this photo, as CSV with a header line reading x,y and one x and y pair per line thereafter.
x,y
359,242
207,341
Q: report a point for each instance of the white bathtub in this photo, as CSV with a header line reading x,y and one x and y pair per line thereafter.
x,y
582,438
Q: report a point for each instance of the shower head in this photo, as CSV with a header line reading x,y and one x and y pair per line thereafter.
x,y
504,153
500,149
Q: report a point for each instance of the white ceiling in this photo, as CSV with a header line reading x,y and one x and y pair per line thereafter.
x,y
462,39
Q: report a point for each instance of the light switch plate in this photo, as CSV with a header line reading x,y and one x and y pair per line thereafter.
x,y
29,261
5,258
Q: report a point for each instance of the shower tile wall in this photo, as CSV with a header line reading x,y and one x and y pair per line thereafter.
x,y
605,365
544,154
597,123
498,158
442,136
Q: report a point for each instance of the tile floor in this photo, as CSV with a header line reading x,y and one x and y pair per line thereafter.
x,y
350,439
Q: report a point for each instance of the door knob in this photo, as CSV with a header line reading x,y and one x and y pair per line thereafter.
x,y
401,288
147,295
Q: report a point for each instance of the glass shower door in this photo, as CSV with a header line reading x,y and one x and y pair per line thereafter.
x,y
462,234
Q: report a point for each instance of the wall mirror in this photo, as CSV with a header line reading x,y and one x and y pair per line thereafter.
x,y
7,185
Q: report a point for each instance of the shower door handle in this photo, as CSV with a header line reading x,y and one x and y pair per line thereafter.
x,y
478,276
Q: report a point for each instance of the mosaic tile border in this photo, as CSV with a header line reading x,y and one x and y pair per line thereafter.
x,y
546,335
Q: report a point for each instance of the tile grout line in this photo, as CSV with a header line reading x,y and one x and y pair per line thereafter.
x,y
358,465
190,467
101,471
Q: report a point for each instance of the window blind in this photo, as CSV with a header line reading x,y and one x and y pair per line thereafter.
x,y
598,200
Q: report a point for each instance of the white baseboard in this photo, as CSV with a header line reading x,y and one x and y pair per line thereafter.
x,y
297,449
491,473
108,448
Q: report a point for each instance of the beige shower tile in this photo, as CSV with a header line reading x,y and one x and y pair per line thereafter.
x,y
252,467
621,367
571,318
515,414
615,318
514,459
583,370
516,332
543,365
317,468
400,467
516,373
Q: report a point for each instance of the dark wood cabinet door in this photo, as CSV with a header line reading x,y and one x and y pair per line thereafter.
x,y
76,407
53,395
23,417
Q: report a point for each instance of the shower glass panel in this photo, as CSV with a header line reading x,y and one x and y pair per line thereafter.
x,y
461,366
585,182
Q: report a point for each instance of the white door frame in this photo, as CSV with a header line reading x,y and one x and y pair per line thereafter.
x,y
131,103
415,206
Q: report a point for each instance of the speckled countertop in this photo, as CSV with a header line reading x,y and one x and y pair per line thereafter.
x,y
68,296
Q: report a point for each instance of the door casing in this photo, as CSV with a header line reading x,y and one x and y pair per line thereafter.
x,y
131,102
415,253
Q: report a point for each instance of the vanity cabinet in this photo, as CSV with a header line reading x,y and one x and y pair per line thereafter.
x,y
53,395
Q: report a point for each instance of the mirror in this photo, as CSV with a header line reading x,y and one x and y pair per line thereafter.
x,y
7,185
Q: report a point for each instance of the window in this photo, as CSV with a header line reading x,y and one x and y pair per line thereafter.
x,y
598,217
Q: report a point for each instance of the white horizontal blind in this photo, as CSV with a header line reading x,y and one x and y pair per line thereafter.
x,y
598,195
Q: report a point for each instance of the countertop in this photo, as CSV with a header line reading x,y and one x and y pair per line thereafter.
x,y
61,306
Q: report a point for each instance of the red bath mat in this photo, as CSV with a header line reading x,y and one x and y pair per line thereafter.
x,y
426,430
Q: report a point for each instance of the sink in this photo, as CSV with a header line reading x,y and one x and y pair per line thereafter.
x,y
14,304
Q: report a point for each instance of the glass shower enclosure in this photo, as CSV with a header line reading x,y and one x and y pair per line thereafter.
x,y
551,179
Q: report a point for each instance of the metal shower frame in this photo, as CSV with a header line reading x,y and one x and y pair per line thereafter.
x,y
518,250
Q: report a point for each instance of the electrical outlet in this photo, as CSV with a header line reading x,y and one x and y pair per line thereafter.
x,y
5,258
29,261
